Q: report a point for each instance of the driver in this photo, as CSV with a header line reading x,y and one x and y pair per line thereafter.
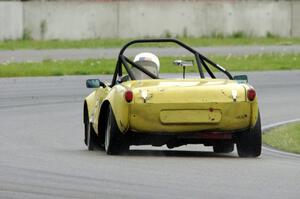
x,y
149,61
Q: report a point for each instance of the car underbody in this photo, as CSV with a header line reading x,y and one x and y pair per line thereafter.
x,y
176,140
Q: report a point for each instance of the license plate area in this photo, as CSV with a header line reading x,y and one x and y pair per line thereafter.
x,y
190,116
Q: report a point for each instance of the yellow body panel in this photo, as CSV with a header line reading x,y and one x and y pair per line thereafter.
x,y
115,98
176,106
119,106
237,118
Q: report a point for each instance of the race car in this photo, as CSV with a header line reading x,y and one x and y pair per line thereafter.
x,y
139,107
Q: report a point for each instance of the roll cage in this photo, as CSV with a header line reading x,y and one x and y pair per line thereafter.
x,y
202,61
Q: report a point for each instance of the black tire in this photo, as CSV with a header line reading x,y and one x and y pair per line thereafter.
x,y
85,132
249,142
223,147
91,138
115,142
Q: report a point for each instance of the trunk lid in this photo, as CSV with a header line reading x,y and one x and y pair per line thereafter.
x,y
187,91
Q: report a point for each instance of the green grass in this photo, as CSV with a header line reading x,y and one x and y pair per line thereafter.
x,y
286,138
259,62
218,40
56,68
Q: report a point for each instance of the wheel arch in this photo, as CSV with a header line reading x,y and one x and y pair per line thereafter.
x,y
120,111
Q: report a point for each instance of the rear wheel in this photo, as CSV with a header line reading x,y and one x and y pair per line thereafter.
x,y
85,132
223,147
249,142
115,142
91,139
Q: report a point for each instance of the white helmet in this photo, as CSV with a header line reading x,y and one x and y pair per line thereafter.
x,y
148,61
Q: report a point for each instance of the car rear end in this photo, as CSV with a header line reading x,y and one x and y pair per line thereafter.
x,y
190,106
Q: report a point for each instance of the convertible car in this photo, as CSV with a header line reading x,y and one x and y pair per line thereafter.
x,y
139,107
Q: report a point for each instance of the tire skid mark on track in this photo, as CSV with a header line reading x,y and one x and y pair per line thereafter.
x,y
36,175
39,104
21,189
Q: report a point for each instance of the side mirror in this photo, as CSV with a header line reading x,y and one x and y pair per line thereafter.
x,y
94,83
241,78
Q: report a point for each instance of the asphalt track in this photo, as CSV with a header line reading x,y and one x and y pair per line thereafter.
x,y
42,154
7,56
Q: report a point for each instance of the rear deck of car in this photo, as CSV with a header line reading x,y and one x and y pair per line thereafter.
x,y
194,105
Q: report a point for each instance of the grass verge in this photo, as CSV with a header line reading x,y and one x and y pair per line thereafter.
x,y
286,138
111,43
261,62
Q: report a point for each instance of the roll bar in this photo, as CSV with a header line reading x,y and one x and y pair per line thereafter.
x,y
201,60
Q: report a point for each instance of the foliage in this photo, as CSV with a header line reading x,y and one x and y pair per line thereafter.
x,y
50,67
216,39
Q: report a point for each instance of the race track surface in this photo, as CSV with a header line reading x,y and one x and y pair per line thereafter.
x,y
7,56
42,154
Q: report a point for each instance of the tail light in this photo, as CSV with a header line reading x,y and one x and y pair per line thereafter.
x,y
128,95
251,94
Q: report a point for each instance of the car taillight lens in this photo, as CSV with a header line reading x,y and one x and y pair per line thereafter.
x,y
128,95
251,94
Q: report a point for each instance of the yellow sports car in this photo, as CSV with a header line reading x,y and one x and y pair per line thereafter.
x,y
140,108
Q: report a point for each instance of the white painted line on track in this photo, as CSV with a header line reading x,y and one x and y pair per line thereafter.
x,y
270,126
